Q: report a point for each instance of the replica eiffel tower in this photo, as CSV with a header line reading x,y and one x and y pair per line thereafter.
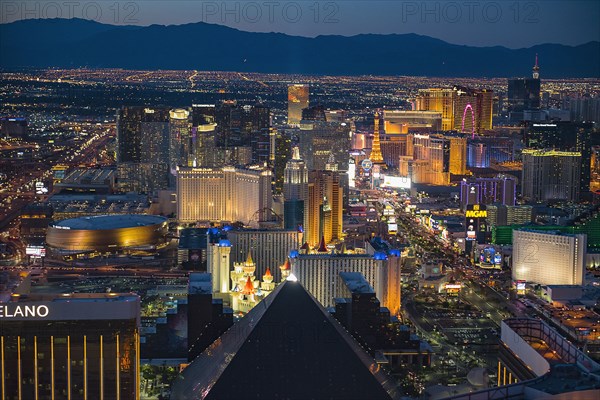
x,y
376,156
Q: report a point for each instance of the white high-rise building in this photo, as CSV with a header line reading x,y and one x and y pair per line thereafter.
x,y
319,273
217,258
180,139
224,194
548,258
295,181
295,191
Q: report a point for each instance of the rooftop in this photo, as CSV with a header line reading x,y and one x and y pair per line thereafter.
x,y
10,282
73,297
542,232
99,204
566,378
96,176
200,283
102,222
565,286
356,282
193,238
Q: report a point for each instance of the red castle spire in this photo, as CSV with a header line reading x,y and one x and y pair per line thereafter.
x,y
248,287
286,266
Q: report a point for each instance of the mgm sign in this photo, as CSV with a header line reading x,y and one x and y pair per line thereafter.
x,y
476,211
476,223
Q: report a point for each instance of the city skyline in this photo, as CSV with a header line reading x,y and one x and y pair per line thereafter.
x,y
204,211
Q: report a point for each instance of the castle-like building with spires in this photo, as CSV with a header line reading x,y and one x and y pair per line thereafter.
x,y
238,286
246,289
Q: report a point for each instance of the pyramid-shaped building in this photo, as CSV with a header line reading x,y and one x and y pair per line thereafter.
x,y
287,347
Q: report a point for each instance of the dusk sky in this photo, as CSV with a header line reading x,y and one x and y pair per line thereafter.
x,y
508,23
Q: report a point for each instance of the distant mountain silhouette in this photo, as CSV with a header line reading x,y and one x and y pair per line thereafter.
x,y
73,43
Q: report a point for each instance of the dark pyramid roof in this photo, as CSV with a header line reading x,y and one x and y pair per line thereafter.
x,y
287,347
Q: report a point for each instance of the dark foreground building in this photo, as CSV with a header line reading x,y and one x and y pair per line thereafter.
x,y
70,346
359,311
287,347
536,362
207,318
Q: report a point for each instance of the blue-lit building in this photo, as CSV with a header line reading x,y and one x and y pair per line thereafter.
x,y
484,152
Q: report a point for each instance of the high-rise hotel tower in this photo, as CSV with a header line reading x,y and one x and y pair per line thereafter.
x,y
298,99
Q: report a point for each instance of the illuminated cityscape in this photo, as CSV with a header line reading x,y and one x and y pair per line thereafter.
x,y
210,209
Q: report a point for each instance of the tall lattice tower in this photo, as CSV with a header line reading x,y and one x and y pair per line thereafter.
x,y
536,68
376,156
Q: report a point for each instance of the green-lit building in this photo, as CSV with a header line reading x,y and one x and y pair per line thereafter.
x,y
588,223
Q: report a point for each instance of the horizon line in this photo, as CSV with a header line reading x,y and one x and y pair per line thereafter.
x,y
29,68
298,36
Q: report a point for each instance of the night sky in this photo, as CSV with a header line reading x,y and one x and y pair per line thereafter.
x,y
507,23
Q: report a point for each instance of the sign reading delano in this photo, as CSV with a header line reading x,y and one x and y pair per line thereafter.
x,y
34,311
69,309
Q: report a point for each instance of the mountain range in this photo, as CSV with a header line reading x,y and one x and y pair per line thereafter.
x,y
74,43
